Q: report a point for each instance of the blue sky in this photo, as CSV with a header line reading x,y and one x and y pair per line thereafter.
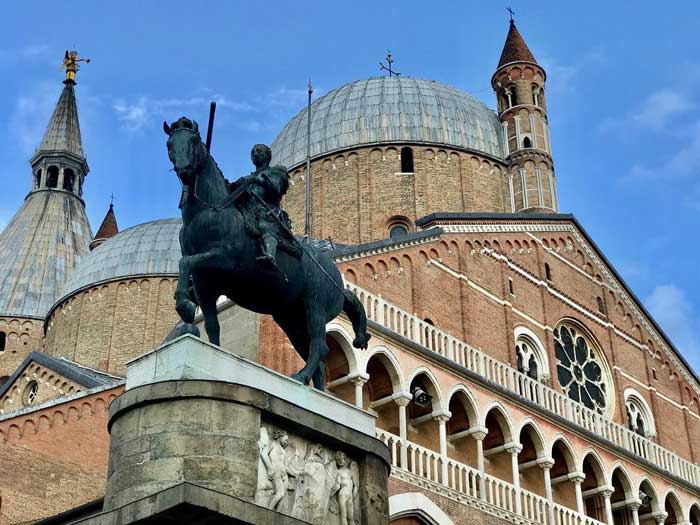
x,y
623,94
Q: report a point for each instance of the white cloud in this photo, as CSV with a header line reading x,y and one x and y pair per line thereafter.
x,y
30,117
678,317
661,106
138,113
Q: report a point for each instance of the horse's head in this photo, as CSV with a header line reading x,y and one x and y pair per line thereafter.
x,y
186,150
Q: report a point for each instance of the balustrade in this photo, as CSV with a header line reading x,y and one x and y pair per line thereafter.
x,y
504,375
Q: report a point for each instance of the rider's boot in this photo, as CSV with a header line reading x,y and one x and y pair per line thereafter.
x,y
269,245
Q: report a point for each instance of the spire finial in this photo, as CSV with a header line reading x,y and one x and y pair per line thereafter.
x,y
111,200
512,15
70,64
389,61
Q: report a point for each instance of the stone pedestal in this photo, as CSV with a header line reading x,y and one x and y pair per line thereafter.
x,y
202,433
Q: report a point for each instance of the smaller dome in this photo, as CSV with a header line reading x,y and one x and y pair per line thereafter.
x,y
151,248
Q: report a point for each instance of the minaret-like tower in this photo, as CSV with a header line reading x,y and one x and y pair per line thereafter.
x,y
47,236
107,229
519,83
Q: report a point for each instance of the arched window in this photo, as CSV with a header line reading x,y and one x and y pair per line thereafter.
x,y
536,94
582,371
528,359
512,95
30,393
52,178
3,341
397,231
547,272
639,417
601,305
406,160
68,179
527,143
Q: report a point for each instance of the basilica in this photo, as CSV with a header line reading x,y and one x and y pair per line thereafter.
x,y
514,376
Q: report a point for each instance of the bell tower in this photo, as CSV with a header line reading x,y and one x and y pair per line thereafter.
x,y
48,235
519,84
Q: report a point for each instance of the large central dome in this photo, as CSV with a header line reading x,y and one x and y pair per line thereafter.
x,y
390,110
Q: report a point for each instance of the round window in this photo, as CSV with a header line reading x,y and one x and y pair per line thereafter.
x,y
580,368
397,231
30,393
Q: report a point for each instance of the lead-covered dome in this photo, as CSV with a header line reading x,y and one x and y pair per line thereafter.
x,y
151,248
390,110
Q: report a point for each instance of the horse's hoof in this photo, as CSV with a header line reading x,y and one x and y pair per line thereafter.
x,y
185,328
362,341
302,378
186,309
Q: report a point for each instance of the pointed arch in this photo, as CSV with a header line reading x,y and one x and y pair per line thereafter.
x,y
382,360
620,476
433,384
561,447
496,410
417,504
647,487
672,507
460,396
529,426
592,462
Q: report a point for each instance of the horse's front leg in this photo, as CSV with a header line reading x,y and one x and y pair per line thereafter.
x,y
184,306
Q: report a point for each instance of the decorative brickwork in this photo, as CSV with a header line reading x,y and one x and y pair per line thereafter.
x,y
105,326
358,195
21,336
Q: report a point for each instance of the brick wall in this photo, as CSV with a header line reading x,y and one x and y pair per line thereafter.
x,y
107,325
54,459
21,337
356,195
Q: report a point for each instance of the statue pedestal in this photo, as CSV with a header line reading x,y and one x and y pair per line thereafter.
x,y
202,433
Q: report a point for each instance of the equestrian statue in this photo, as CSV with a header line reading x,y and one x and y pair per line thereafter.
x,y
236,241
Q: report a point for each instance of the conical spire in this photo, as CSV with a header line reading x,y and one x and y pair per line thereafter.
x,y
515,48
107,229
63,131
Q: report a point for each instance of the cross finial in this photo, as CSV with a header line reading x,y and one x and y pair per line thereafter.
x,y
388,69
512,13
111,200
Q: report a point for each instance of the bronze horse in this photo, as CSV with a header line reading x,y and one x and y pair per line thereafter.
x,y
220,257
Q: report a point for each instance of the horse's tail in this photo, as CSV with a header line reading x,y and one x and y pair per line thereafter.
x,y
356,312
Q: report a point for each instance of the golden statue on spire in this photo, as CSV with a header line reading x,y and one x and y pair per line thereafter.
x,y
70,64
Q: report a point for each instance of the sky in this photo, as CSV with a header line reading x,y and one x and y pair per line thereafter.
x,y
623,94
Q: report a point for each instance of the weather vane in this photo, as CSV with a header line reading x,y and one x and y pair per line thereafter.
x,y
390,61
70,64
512,13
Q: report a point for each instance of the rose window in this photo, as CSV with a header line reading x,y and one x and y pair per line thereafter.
x,y
579,368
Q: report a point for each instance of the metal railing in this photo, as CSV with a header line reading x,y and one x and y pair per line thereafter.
x,y
446,345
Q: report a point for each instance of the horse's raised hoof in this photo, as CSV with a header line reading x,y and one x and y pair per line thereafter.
x,y
302,378
186,310
362,341
185,328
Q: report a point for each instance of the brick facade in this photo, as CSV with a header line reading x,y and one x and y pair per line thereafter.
x,y
105,326
21,336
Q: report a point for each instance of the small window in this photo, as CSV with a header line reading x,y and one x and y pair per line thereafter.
x,y
398,231
511,289
527,143
512,95
547,272
3,340
30,393
406,160
37,179
653,373
52,179
68,179
601,305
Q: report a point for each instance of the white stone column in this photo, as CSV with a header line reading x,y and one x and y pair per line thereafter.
x,y
577,479
403,402
61,175
359,382
514,450
42,179
660,518
442,420
479,436
634,509
607,493
546,466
